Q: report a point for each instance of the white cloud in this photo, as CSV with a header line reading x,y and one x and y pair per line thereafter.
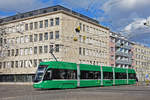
x,y
137,31
129,16
126,9
138,23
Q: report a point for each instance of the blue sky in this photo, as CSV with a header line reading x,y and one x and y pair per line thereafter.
x,y
123,16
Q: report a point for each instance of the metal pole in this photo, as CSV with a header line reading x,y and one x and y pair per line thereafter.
x,y
51,52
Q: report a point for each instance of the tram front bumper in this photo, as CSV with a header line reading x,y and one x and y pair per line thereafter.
x,y
38,85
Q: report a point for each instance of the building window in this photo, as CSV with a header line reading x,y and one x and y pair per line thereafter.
x,y
12,64
12,52
35,50
57,35
35,37
26,51
26,39
40,60
30,50
46,23
30,63
31,26
57,47
40,49
51,35
17,52
21,39
51,47
80,24
4,64
16,63
17,40
80,38
0,65
41,24
87,29
46,36
35,25
8,52
35,62
51,22
26,27
31,38
57,21
80,51
40,37
83,28
21,51
84,51
1,41
45,49
112,49
112,57
5,41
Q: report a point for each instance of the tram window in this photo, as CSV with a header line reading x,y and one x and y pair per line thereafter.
x,y
120,76
124,75
90,75
132,76
48,75
108,75
63,74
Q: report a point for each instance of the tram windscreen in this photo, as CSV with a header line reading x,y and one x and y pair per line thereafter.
x,y
40,73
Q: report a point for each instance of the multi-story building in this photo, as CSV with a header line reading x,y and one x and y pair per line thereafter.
x,y
29,37
112,50
120,51
142,61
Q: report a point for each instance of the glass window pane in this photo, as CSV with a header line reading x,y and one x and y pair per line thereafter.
x,y
46,36
51,22
51,35
46,23
57,35
57,21
41,24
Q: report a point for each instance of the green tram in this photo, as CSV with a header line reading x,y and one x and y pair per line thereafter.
x,y
56,74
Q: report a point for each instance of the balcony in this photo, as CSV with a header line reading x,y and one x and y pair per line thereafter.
x,y
119,53
123,46
118,44
124,62
127,47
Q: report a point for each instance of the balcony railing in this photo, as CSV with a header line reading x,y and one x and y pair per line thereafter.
x,y
128,62
123,46
119,53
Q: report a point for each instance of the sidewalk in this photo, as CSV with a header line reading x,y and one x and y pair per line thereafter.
x,y
16,83
143,83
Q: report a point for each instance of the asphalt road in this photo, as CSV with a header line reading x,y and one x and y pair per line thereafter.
x,y
27,92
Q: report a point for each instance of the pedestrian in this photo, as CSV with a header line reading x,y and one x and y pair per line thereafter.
x,y
137,81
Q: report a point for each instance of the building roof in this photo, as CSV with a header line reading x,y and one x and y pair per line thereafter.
x,y
44,11
119,36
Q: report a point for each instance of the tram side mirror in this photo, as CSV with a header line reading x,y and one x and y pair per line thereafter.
x,y
48,75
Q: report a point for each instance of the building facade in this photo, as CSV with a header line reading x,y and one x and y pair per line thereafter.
x,y
142,61
27,39
121,51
